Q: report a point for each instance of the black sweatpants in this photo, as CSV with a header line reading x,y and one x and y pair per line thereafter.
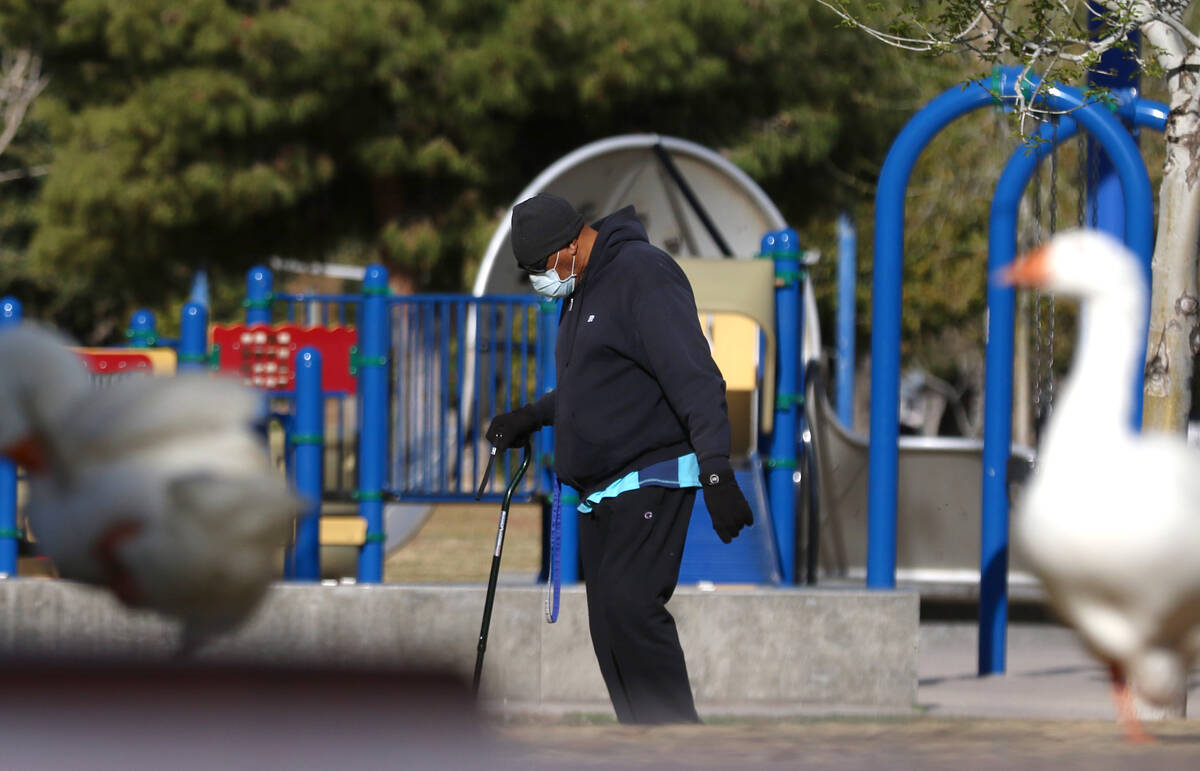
x,y
631,547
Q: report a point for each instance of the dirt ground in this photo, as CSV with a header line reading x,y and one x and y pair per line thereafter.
x,y
849,744
456,545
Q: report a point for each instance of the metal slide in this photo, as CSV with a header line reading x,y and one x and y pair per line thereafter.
x,y
601,177
751,558
937,541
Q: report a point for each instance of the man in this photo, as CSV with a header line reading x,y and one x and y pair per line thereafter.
x,y
640,422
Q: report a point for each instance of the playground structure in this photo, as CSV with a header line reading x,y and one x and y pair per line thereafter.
x,y
1105,126
428,371
418,342
428,444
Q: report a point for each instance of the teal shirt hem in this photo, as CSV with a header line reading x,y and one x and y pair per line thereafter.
x,y
681,472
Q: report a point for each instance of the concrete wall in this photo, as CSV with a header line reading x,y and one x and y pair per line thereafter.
x,y
751,651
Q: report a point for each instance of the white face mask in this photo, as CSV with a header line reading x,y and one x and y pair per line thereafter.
x,y
548,284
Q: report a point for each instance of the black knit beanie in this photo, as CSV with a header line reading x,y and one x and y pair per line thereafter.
x,y
540,226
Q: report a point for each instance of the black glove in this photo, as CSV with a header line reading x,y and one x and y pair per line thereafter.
x,y
512,429
726,505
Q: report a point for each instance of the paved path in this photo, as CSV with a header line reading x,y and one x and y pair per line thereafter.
x,y
1052,710
1049,676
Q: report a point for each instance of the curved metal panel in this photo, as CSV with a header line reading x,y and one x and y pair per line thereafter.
x,y
606,175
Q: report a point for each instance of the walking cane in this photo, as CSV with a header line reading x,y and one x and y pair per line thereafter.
x,y
526,451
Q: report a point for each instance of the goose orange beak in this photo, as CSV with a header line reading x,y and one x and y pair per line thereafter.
x,y
1030,269
28,453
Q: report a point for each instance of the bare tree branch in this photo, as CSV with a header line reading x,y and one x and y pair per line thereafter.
x,y
21,80
928,43
15,174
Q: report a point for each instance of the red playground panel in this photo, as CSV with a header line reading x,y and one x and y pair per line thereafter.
x,y
108,363
264,354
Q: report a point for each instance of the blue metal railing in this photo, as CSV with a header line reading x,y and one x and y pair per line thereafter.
x,y
465,359
432,370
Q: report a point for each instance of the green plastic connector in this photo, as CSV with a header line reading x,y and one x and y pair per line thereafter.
x,y
783,401
358,361
790,277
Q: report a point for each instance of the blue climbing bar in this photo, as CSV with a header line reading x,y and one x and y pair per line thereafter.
x,y
10,535
306,439
372,437
142,331
781,465
193,338
258,295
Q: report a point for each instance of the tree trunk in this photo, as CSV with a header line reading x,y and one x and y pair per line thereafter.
x,y
1174,332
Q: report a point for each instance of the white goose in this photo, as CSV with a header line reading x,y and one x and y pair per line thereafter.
x,y
1111,519
153,487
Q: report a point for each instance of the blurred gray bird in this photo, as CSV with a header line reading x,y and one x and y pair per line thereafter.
x,y
155,488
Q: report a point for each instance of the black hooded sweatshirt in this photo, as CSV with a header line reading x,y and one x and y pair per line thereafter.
x,y
636,383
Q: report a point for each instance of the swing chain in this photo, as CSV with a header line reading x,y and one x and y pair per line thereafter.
x,y
1035,305
1082,183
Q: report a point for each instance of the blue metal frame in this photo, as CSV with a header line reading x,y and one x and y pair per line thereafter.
x,y
847,286
781,465
306,440
885,343
1138,226
1118,72
374,339
142,331
10,315
259,282
193,338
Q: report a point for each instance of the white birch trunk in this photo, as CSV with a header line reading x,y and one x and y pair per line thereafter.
x,y
1174,333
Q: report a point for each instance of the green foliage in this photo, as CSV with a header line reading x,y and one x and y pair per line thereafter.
x,y
183,133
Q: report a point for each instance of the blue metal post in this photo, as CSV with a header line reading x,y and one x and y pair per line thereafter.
x,y
10,536
1002,246
883,455
993,544
258,295
142,332
199,293
1117,71
193,338
307,437
258,311
373,339
782,463
847,284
